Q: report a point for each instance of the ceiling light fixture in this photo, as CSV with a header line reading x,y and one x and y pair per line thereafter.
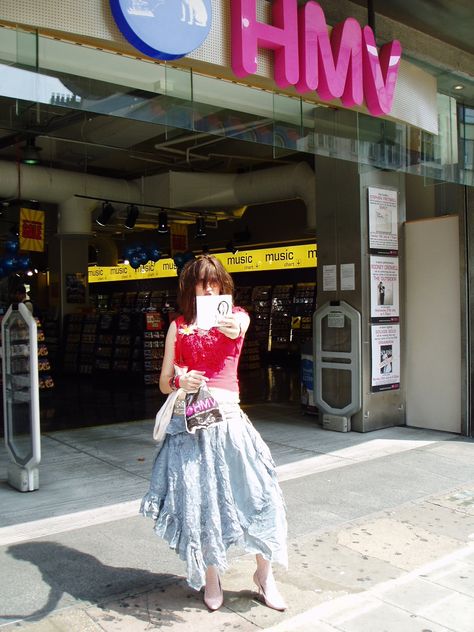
x,y
163,223
201,227
31,153
132,216
458,87
105,215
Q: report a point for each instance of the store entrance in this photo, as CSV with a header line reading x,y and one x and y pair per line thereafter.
x,y
104,370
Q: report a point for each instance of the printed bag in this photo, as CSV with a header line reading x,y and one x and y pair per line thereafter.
x,y
201,411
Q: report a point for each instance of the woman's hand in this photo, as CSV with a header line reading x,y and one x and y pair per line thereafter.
x,y
229,326
191,381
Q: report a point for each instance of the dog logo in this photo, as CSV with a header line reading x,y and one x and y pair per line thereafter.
x,y
164,29
194,12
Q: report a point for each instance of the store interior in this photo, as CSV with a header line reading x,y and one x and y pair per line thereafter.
x,y
101,364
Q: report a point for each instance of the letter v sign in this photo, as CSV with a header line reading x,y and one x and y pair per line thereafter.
x,y
380,72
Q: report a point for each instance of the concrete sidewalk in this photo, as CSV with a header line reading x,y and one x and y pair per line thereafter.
x,y
381,536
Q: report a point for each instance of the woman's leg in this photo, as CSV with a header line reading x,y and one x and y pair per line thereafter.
x,y
265,581
213,594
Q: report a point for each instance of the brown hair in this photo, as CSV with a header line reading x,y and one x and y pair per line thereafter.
x,y
206,269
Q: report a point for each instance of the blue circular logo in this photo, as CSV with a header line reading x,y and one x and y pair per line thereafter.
x,y
163,29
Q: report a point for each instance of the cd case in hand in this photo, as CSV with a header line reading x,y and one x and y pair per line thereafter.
x,y
210,309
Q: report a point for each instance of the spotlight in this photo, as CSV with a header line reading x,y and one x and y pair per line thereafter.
x,y
132,216
31,153
201,227
105,215
163,223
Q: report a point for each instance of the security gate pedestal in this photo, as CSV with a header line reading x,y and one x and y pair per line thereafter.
x,y
337,352
21,397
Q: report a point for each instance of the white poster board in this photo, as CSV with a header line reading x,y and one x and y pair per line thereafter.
x,y
347,277
384,289
330,278
383,220
385,357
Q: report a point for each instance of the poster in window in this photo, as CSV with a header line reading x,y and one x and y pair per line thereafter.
x,y
385,357
76,287
384,289
383,220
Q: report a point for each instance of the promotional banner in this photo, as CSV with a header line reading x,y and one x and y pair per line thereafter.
x,y
385,357
383,220
31,230
289,257
384,290
178,238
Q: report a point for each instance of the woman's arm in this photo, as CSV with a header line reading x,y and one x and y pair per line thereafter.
x,y
190,381
167,368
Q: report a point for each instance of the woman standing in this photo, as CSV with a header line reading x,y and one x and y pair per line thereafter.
x,y
215,487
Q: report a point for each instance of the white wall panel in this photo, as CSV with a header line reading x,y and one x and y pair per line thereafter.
x,y
433,324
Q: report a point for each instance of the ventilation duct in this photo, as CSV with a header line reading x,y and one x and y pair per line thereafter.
x,y
174,190
56,186
214,190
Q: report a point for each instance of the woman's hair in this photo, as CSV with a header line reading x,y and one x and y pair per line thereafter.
x,y
206,269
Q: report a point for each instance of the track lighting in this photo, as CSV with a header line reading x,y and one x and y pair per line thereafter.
x,y
132,216
163,223
201,227
31,153
105,215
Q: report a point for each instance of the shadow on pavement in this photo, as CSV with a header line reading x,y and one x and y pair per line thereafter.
x,y
86,579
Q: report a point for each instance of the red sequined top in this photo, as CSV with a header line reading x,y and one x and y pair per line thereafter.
x,y
210,351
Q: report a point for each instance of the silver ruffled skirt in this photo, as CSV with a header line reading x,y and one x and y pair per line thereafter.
x,y
213,489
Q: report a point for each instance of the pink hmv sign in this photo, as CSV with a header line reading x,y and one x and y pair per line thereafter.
x,y
345,64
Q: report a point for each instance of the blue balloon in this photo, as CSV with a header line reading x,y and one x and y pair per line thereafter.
x,y
154,254
12,245
179,260
10,263
24,262
2,271
135,262
143,256
129,252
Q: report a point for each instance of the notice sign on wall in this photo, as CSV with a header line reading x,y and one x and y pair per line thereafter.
x,y
383,220
385,357
384,294
31,230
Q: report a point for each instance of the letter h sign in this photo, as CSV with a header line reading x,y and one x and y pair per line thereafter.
x,y
345,65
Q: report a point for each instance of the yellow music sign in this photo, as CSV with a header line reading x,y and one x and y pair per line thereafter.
x,y
161,269
285,258
288,257
31,230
